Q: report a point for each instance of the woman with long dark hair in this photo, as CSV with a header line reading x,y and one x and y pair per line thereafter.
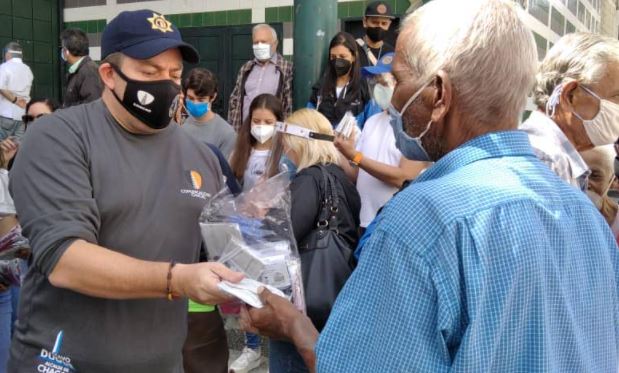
x,y
253,143
341,87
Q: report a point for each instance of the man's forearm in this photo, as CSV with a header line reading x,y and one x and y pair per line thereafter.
x,y
99,272
393,175
8,95
304,336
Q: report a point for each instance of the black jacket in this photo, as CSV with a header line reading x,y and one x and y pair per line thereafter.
x,y
84,85
306,192
334,108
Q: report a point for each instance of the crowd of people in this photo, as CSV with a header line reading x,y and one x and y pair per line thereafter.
x,y
461,237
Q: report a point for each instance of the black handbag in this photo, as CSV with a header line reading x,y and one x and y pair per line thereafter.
x,y
326,257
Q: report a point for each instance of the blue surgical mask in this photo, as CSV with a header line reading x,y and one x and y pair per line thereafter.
x,y
410,147
196,109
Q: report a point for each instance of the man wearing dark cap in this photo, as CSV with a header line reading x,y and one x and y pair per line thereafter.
x,y
109,194
376,22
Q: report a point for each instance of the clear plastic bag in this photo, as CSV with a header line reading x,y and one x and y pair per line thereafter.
x,y
252,233
348,126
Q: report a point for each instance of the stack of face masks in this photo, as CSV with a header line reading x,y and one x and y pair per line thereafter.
x,y
347,125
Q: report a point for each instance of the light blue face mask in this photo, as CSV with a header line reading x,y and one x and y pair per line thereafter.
x,y
196,109
410,147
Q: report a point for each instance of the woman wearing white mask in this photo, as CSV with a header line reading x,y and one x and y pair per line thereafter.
x,y
253,143
375,163
577,95
249,165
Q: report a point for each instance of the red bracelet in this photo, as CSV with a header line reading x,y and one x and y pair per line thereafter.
x,y
170,295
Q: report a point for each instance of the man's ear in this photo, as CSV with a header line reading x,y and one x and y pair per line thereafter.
x,y
442,97
567,95
106,72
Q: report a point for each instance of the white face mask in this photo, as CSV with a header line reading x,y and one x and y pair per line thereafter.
x,y
262,132
382,95
262,51
603,129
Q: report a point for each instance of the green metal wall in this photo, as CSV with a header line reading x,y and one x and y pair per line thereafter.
x,y
35,24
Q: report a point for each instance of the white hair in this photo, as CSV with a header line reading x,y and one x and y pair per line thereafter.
x,y
264,26
583,57
607,155
486,49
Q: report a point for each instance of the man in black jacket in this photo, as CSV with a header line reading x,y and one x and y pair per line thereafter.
x,y
83,83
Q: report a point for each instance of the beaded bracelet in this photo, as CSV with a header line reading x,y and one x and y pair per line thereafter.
x,y
169,282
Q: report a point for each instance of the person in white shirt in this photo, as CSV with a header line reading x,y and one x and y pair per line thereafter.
x,y
15,83
379,168
577,99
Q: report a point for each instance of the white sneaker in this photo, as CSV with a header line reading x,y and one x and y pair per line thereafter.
x,y
248,360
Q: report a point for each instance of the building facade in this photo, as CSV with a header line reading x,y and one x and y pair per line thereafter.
x,y
221,29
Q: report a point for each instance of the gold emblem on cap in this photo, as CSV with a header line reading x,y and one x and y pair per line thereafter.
x,y
381,9
159,22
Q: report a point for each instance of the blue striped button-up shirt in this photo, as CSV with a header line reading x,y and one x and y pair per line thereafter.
x,y
488,262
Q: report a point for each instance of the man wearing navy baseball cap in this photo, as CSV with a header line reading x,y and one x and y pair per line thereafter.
x,y
109,194
377,20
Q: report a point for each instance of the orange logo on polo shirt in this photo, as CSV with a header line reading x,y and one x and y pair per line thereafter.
x,y
158,22
196,179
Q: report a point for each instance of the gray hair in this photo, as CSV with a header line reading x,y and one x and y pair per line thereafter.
x,y
583,57
484,46
13,49
263,26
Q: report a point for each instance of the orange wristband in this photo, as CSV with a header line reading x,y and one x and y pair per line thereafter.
x,y
357,158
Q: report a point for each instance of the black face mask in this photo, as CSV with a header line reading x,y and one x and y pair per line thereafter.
x,y
341,66
153,103
376,33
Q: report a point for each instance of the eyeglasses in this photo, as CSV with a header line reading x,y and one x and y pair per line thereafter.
x,y
29,118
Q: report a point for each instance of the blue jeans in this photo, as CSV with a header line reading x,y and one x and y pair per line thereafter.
x,y
10,127
252,341
5,327
284,358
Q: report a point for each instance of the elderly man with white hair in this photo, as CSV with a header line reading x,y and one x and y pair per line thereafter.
x,y
267,72
487,262
577,93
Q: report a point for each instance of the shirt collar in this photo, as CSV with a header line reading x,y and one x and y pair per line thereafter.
x,y
490,145
272,60
545,126
73,68
16,59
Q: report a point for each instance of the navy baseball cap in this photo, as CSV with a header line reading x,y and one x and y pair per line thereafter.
x,y
142,34
379,9
383,65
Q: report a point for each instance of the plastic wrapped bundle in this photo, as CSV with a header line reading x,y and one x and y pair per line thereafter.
x,y
252,233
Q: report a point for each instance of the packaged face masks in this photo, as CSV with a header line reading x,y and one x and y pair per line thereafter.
x,y
347,125
252,233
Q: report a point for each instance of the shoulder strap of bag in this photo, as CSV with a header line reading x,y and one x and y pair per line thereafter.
x,y
367,51
332,199
324,214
